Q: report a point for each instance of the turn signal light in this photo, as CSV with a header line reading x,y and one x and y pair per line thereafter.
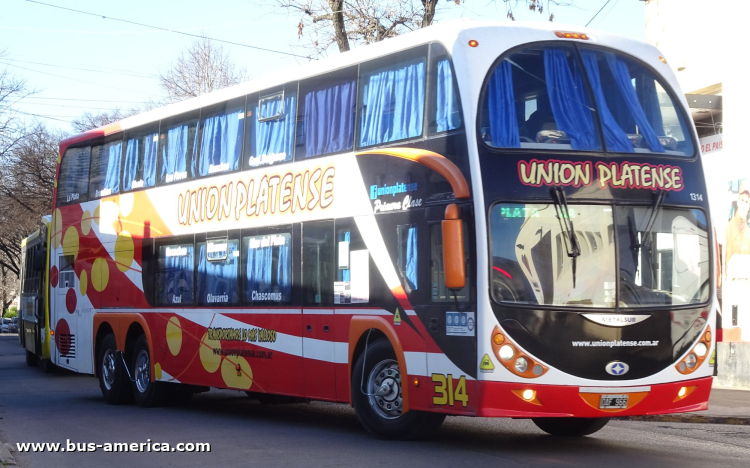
x,y
513,359
696,356
662,60
571,35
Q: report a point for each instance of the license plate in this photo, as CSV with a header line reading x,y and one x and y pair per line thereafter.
x,y
613,402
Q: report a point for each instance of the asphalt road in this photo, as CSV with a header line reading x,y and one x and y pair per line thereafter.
x,y
38,407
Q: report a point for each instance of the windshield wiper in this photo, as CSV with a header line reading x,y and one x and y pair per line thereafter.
x,y
572,246
646,234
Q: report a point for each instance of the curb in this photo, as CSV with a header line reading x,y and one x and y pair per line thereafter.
x,y
691,418
6,459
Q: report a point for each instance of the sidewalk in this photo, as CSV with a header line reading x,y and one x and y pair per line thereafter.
x,y
725,406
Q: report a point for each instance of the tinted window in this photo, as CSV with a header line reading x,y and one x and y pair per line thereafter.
x,y
536,99
139,167
326,113
73,180
445,113
437,270
218,271
270,136
267,261
105,169
391,101
408,256
174,274
178,146
636,111
317,263
352,284
221,138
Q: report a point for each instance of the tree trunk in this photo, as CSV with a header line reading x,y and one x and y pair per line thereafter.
x,y
337,14
429,12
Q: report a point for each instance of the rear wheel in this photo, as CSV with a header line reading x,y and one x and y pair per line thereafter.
x,y
377,397
570,427
113,379
147,391
31,359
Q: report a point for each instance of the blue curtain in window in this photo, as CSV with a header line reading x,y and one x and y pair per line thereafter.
x,y
447,113
178,277
112,177
568,100
218,278
393,104
411,258
346,273
284,270
329,119
502,108
221,143
651,106
625,84
175,154
259,270
150,144
274,136
617,140
130,166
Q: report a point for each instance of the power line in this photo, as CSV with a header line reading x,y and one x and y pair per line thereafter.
x,y
122,72
165,29
608,12
592,18
66,106
42,116
81,81
87,100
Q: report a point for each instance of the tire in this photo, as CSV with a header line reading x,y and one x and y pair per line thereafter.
x,y
47,366
570,427
147,392
113,378
32,360
381,415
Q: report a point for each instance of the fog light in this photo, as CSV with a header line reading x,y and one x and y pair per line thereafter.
x,y
691,360
528,395
521,365
498,339
701,349
506,353
682,367
538,370
682,392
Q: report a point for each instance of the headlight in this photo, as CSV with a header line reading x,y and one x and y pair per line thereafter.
x,y
506,353
691,360
521,365
701,349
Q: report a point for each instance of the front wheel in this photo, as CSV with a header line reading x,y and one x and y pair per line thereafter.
x,y
147,391
570,427
377,397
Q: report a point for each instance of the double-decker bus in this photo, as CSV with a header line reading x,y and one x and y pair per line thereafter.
x,y
480,219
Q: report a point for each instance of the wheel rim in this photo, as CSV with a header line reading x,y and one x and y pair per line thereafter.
x,y
108,369
142,371
384,389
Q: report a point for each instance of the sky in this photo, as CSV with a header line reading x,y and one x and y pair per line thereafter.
x,y
78,62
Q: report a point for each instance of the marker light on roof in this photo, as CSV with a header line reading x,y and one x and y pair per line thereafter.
x,y
473,43
571,35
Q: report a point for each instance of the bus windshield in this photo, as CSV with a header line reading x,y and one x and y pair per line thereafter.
x,y
563,98
662,264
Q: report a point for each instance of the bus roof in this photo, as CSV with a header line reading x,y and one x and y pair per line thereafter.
x,y
447,33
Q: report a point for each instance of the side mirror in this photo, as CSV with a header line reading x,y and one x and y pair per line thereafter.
x,y
453,249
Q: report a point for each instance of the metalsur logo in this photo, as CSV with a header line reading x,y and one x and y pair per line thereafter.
x,y
617,368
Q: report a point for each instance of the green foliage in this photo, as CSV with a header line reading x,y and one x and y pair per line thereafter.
x,y
11,312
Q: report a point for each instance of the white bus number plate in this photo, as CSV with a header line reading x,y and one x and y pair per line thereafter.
x,y
613,402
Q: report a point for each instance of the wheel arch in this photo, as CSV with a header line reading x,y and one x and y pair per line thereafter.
x,y
376,327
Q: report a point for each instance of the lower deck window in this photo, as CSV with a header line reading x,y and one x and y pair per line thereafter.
x,y
218,267
174,276
268,268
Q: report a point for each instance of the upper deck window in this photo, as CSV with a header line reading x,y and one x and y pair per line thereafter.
x,y
221,138
392,102
139,168
73,180
549,98
105,169
445,112
177,148
327,113
270,135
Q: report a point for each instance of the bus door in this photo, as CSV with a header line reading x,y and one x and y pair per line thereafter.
x,y
451,318
65,312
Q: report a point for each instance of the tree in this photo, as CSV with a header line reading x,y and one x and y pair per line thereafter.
x,y
348,23
27,177
89,121
11,127
202,68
